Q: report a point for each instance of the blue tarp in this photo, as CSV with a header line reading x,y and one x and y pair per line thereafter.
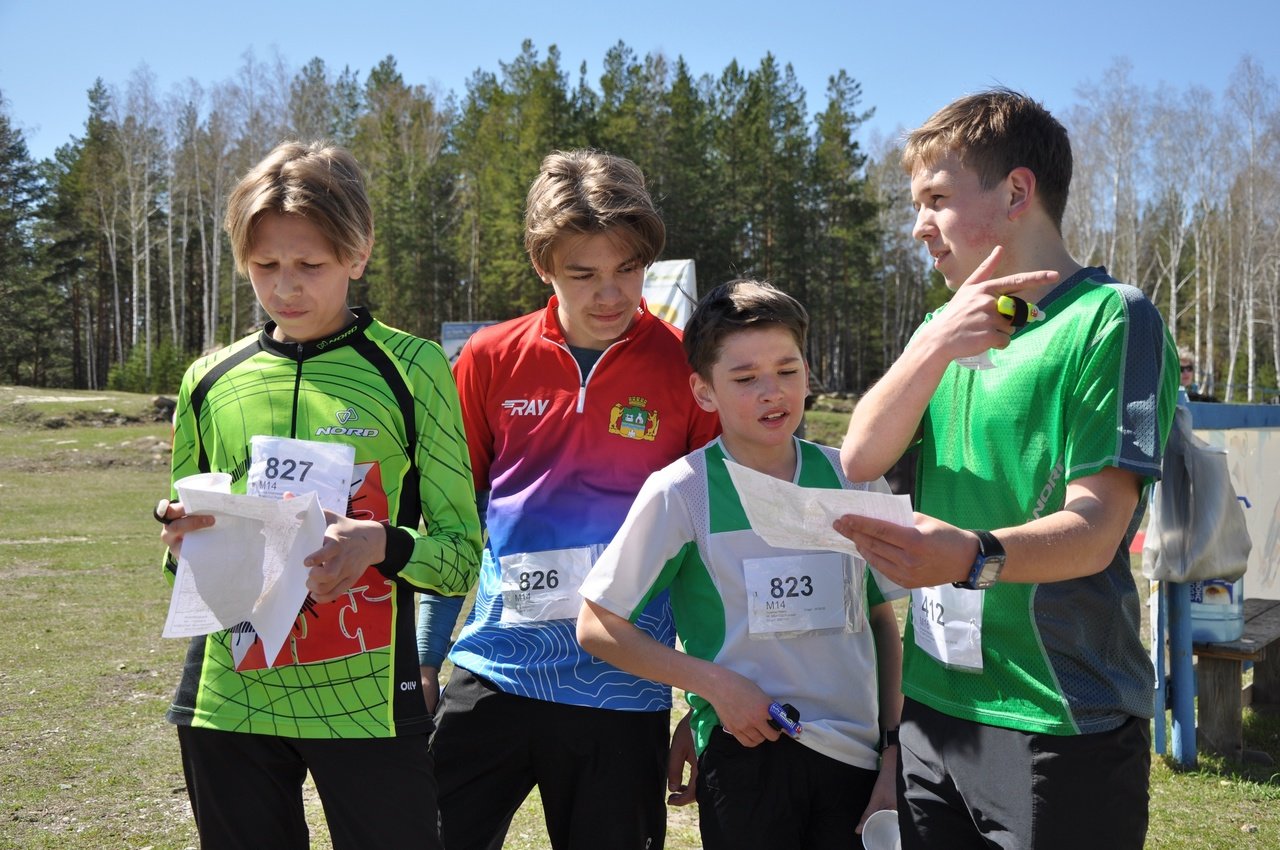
x,y
1208,416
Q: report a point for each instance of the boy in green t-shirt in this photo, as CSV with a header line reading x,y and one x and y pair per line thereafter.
x,y
687,531
1027,688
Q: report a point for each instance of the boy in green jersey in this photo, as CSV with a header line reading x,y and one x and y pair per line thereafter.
x,y
758,624
342,698
1027,689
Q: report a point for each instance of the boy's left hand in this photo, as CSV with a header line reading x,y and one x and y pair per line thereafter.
x,y
350,547
884,794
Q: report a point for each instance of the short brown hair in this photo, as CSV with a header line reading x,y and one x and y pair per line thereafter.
x,y
735,306
994,132
320,182
585,192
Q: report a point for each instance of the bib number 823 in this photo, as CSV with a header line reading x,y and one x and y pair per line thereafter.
x,y
791,587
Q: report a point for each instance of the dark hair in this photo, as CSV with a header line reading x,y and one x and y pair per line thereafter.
x,y
734,306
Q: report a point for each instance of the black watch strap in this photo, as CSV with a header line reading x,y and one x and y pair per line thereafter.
x,y
987,566
888,738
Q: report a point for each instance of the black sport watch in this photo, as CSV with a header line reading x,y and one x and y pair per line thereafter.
x,y
987,566
888,738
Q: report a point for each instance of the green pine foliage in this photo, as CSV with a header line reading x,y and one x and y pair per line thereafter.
x,y
732,162
167,366
21,192
117,242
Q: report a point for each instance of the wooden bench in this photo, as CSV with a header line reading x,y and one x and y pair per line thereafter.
x,y
1219,668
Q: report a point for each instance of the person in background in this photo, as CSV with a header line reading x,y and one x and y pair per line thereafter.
x,y
1187,373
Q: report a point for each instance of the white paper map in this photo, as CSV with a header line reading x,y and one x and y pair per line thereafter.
x,y
789,516
247,565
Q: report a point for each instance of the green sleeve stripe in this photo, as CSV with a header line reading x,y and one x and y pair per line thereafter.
x,y
873,594
663,581
816,469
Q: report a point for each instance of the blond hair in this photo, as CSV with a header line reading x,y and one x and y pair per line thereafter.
x,y
994,132
586,192
322,183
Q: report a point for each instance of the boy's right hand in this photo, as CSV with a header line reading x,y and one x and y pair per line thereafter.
x,y
177,524
970,324
742,707
430,677
682,752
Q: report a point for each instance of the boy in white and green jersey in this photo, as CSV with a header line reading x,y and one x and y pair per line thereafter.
x,y
1027,690
688,532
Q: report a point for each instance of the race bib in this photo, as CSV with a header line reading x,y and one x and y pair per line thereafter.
x,y
538,586
948,624
282,465
792,595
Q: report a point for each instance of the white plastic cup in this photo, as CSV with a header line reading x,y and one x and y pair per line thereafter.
x,y
880,832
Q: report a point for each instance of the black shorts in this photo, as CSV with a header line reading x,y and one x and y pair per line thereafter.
x,y
968,785
778,794
602,773
246,790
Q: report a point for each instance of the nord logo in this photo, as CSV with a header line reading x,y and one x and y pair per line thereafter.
x,y
1055,475
339,431
526,406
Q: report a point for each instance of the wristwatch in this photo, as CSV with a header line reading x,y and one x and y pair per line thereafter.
x,y
987,566
888,738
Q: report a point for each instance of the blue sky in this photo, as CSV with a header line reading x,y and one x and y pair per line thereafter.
x,y
909,58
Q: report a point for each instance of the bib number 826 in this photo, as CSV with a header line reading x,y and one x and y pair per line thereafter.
x,y
539,580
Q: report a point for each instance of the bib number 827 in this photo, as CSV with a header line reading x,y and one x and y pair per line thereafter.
x,y
286,468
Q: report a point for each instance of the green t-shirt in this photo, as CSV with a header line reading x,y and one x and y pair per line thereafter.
x,y
349,668
1091,386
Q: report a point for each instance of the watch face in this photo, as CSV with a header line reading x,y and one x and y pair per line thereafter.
x,y
990,573
990,560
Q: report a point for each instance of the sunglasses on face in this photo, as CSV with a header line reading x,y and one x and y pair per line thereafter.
x,y
1187,368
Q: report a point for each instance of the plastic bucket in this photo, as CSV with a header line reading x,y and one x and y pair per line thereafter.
x,y
1217,610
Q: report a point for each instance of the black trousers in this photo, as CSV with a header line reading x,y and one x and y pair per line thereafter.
x,y
968,785
779,794
601,773
246,790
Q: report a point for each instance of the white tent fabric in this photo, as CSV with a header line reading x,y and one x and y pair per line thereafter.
x,y
671,290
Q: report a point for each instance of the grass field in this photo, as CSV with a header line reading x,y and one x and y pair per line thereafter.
x,y
86,758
